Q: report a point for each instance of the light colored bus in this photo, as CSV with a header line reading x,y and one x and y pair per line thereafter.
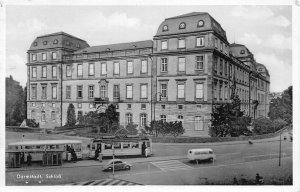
x,y
37,147
201,154
127,146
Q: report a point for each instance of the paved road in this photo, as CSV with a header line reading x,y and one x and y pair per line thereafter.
x,y
227,155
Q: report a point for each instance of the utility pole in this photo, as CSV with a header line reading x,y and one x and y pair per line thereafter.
x,y
280,149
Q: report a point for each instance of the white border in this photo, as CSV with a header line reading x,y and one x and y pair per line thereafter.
x,y
296,62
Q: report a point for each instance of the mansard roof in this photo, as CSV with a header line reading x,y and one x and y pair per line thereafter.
x,y
118,46
191,21
58,40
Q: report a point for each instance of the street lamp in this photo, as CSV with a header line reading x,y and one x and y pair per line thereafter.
x,y
280,149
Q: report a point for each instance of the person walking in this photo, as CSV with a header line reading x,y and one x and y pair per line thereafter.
x,y
29,158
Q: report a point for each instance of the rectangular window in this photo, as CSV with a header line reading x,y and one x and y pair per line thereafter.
x,y
221,66
44,71
143,91
164,45
54,55
225,68
79,70
230,70
44,56
181,64
33,72
164,64
33,57
181,43
91,69
79,91
163,118
116,68
216,43
43,116
116,93
221,46
163,90
69,72
220,91
200,41
129,67
54,92
180,91
54,72
91,91
199,90
44,91
128,106
68,92
79,105
225,91
199,62
102,91
33,92
103,69
180,107
91,105
215,63
52,115
143,106
129,91
144,66
198,123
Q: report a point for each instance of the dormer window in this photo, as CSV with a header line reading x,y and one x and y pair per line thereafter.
x,y
182,25
77,45
55,41
68,43
108,49
200,23
35,44
45,43
242,52
165,28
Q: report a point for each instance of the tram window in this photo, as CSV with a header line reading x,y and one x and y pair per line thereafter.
x,y
28,147
52,146
125,145
38,146
135,145
148,144
108,146
117,146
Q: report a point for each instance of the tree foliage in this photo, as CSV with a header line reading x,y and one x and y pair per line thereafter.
x,y
229,120
15,111
71,117
282,107
264,125
165,128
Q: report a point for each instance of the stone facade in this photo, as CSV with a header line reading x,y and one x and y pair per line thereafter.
x,y
186,69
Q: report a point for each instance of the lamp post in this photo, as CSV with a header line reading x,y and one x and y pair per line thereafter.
x,y
154,107
280,149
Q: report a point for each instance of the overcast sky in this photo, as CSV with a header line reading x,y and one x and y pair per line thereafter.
x,y
265,30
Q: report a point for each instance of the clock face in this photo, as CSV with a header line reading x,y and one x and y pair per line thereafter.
x,y
200,23
165,28
182,26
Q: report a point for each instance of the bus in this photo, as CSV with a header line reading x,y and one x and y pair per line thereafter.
x,y
126,146
38,147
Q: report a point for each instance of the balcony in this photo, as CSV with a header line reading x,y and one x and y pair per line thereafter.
x,y
100,100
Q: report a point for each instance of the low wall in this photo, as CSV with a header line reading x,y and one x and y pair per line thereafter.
x,y
23,129
212,139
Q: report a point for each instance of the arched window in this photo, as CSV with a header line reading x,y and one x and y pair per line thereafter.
x,y
128,118
52,115
143,121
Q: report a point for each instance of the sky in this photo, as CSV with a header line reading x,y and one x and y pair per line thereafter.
x,y
265,30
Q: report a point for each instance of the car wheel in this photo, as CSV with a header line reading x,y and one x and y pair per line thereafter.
x,y
211,159
127,167
109,169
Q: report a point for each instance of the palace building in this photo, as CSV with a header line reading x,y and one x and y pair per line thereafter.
x,y
180,75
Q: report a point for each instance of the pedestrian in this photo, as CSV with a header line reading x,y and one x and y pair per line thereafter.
x,y
143,148
74,156
258,179
22,158
29,158
97,153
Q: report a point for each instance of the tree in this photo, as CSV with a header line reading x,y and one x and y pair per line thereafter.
x,y
282,107
175,128
71,117
132,129
262,125
112,114
279,124
228,119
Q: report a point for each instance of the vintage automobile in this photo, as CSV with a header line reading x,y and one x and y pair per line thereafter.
x,y
118,164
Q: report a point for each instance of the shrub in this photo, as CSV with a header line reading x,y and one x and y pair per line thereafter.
x,y
32,123
262,125
71,117
279,124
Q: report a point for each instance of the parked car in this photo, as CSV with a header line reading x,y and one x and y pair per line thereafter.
x,y
118,164
201,154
